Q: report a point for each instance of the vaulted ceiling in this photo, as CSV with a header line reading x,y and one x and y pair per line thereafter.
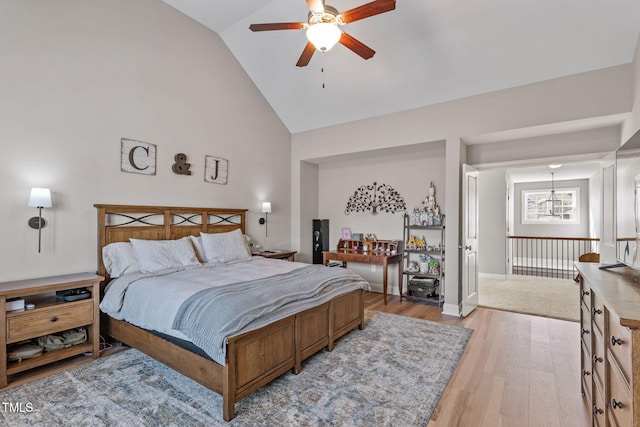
x,y
427,51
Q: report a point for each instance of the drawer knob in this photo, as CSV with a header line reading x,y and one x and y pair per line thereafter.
x,y
615,404
586,373
615,340
54,319
585,293
585,331
596,311
597,359
597,410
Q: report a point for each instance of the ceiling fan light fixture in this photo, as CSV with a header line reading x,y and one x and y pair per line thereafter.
x,y
324,35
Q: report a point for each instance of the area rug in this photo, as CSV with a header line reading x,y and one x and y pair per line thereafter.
x,y
391,373
541,296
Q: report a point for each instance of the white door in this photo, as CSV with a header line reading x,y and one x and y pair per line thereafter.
x,y
469,239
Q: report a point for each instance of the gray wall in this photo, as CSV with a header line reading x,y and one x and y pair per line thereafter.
x,y
79,75
564,230
408,171
492,205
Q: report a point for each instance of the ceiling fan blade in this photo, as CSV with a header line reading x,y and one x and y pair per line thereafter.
x,y
307,53
277,26
367,10
316,6
356,46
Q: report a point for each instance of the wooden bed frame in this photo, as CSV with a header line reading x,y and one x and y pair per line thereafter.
x,y
253,358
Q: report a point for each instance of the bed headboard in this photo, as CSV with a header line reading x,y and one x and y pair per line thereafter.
x,y
118,223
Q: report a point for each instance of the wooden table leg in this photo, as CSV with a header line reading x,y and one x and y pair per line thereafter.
x,y
384,280
400,277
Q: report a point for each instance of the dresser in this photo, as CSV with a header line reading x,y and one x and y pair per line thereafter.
x,y
610,344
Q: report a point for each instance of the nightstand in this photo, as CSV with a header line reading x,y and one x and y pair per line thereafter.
x,y
49,316
278,254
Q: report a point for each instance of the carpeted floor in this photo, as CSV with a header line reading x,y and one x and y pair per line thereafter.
x,y
542,296
391,373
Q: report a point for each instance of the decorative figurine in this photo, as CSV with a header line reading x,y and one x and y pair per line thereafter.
x,y
415,217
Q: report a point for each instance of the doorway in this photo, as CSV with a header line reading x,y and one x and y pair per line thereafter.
x,y
501,219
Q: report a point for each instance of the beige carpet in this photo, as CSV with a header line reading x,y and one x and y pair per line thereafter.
x,y
558,298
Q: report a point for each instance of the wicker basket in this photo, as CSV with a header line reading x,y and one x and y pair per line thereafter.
x,y
423,288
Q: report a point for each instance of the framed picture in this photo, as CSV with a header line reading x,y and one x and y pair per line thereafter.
x,y
137,157
216,169
346,233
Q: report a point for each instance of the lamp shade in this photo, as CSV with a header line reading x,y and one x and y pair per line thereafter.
x,y
40,198
323,35
266,207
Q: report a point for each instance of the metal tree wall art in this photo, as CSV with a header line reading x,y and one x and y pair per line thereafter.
x,y
371,198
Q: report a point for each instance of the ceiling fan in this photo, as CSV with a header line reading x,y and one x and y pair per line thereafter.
x,y
322,27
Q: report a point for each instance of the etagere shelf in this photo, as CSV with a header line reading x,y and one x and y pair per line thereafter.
x,y
426,285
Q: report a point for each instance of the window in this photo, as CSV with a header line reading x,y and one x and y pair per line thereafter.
x,y
535,208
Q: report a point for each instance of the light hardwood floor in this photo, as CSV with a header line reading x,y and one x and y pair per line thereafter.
x,y
518,369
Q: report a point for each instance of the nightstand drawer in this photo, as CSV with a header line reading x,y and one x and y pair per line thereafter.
x,y
49,320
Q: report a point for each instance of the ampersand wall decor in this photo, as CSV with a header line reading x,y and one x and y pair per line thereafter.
x,y
181,167
371,198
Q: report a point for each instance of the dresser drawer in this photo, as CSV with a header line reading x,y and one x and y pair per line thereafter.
x,y
619,404
597,312
619,342
585,294
57,318
599,408
586,373
585,327
597,356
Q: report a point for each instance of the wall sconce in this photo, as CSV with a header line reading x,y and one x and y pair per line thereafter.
x,y
266,210
39,198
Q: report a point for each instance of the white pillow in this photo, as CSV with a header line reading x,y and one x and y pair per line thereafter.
x,y
119,259
154,255
197,245
225,247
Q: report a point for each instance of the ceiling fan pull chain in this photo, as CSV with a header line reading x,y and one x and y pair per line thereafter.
x,y
322,70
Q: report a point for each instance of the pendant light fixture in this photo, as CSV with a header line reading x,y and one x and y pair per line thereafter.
x,y
553,203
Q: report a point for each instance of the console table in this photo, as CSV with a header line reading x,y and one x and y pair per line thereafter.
x,y
377,252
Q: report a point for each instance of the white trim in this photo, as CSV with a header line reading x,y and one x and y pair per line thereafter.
x,y
452,309
493,276
549,220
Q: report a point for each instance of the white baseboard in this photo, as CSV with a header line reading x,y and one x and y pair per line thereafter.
x,y
379,287
451,309
493,276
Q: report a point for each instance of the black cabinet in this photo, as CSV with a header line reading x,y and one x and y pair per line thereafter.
x,y
320,239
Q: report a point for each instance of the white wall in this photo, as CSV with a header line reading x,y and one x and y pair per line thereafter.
x,y
592,141
595,205
408,171
633,124
76,77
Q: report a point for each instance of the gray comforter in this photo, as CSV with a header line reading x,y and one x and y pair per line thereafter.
x,y
211,315
253,293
